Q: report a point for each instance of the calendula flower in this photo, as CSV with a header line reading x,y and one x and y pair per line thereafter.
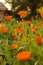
x,y
3,29
38,39
41,14
22,13
21,30
23,56
16,30
8,18
14,46
14,36
33,30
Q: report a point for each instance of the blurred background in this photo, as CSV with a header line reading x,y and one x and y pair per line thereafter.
x,y
33,7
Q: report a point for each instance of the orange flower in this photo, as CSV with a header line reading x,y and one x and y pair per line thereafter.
x,y
14,36
3,29
14,46
33,30
39,39
41,14
17,30
21,30
23,56
22,13
8,18
28,22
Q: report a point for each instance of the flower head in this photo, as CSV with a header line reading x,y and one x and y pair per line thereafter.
x,y
41,14
22,13
38,39
14,46
3,29
21,30
23,56
8,18
33,30
16,30
14,36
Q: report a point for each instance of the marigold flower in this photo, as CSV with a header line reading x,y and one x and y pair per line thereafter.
x,y
22,13
33,30
23,56
8,18
14,46
41,14
17,30
13,35
21,30
39,39
3,29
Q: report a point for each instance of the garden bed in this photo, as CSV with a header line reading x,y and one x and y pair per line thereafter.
x,y
21,43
